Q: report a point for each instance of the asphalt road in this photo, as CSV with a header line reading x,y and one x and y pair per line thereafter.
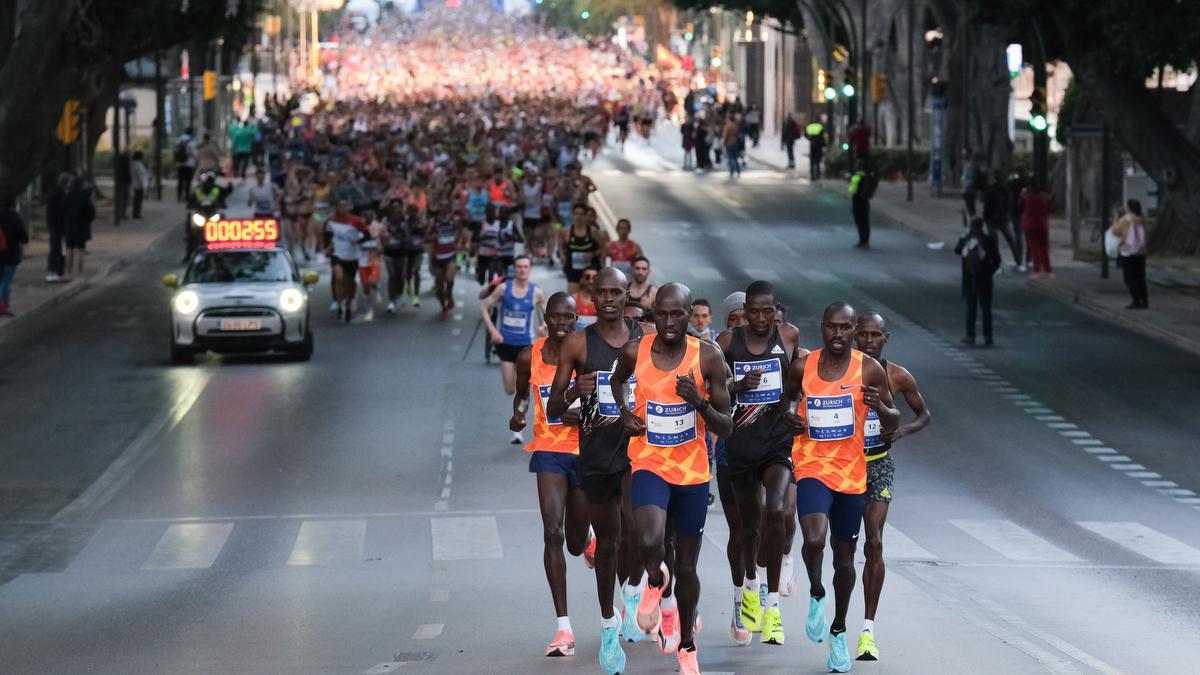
x,y
364,512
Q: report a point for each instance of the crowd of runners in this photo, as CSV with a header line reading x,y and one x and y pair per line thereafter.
x,y
457,143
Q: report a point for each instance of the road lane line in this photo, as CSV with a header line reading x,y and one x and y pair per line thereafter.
x,y
428,631
1114,458
465,538
1088,441
1145,541
327,542
1127,467
137,452
188,546
1012,541
898,546
384,668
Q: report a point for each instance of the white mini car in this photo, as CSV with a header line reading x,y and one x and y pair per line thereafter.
x,y
240,297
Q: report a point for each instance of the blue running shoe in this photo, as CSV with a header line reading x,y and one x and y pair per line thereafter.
x,y
817,627
612,657
629,628
839,655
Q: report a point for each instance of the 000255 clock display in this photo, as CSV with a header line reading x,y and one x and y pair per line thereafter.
x,y
248,233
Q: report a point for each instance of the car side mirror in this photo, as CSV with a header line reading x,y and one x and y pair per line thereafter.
x,y
170,280
311,278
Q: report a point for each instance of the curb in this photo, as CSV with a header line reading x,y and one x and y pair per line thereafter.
x,y
78,286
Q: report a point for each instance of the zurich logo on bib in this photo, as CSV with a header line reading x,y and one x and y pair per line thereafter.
x,y
670,424
770,386
830,418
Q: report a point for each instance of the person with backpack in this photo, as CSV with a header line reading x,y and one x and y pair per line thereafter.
x,y
185,164
862,188
980,260
13,237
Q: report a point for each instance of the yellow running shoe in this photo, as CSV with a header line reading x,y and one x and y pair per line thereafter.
x,y
866,647
772,628
752,611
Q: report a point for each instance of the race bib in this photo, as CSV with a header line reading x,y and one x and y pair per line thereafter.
x,y
872,432
770,387
580,259
608,404
514,320
544,394
830,418
670,424
446,239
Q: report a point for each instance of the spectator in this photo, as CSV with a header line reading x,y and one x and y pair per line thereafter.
x,y
688,131
1131,230
12,245
1035,222
730,138
185,164
55,205
1017,184
141,182
78,214
969,180
753,123
241,140
995,213
858,137
791,133
980,260
701,323
124,180
208,155
815,133
862,189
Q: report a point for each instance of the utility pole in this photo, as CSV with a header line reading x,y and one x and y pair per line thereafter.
x,y
116,148
912,104
159,124
1041,140
1105,197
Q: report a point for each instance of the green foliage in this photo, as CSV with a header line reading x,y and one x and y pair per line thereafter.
x,y
601,14
1073,106
786,11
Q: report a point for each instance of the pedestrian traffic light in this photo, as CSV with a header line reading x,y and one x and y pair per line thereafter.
x,y
585,15
68,124
210,85
714,57
688,32
1037,110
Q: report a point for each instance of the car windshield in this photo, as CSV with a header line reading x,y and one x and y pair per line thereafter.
x,y
223,267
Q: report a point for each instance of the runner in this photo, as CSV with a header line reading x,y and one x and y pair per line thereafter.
x,y
758,452
554,457
531,214
580,248
641,291
622,252
836,385
474,204
682,392
261,196
589,356
585,307
344,235
443,247
395,252
370,261
414,250
518,300
787,572
872,336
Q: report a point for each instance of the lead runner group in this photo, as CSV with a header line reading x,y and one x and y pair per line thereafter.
x,y
632,418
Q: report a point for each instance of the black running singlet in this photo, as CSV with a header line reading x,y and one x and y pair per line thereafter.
x,y
873,444
603,443
581,252
759,425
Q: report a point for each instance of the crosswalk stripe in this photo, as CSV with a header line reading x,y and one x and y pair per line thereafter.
x,y
1145,541
188,546
898,546
1013,541
428,631
324,542
466,538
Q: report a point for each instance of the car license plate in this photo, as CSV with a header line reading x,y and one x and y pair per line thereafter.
x,y
241,324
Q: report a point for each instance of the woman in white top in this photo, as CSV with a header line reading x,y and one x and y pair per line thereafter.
x,y
1131,230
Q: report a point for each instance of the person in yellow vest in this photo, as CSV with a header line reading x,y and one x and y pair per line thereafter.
x,y
815,133
837,386
682,393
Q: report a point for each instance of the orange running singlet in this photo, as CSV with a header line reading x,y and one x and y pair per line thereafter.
x,y
830,449
673,446
549,435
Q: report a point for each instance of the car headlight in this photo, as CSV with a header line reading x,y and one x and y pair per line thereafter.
x,y
198,220
291,300
186,302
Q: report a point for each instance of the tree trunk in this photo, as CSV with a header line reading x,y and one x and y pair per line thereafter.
x,y
990,88
1148,134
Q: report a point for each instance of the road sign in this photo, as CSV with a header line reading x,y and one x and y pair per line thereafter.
x,y
68,124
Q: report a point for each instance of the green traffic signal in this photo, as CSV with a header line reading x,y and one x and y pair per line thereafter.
x,y
585,15
848,90
1038,122
830,93
688,36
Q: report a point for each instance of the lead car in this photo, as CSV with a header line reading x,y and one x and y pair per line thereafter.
x,y
241,293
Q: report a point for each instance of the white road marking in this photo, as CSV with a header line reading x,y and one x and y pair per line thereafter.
x,y
1127,467
1059,425
1145,541
1148,474
1114,458
1178,492
1049,418
384,668
187,546
1159,483
1013,541
1017,397
1087,441
325,542
466,538
898,546
1075,434
428,631
1039,411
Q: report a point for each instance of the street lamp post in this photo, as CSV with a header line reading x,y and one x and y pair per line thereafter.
x,y
311,52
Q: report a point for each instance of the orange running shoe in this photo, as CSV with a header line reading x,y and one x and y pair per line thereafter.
x,y
688,665
668,631
589,553
649,614
563,645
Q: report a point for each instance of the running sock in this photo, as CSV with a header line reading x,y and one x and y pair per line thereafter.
x,y
667,603
737,594
762,573
613,622
751,584
772,600
564,623
868,626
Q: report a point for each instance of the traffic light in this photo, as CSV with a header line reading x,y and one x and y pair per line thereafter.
x,y
714,57
68,124
585,15
848,81
1037,110
689,32
824,88
210,85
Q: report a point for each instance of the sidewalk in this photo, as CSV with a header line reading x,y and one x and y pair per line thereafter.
x,y
111,249
1174,317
